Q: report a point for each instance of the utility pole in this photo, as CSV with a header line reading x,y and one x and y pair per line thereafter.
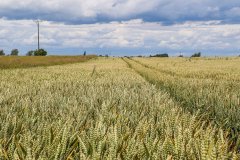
x,y
38,26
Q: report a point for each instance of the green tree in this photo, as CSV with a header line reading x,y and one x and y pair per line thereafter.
x,y
160,55
2,52
40,52
14,52
196,54
30,53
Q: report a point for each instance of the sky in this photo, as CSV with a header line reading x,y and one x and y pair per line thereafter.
x,y
122,27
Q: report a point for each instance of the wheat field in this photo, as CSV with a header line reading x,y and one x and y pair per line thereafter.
x,y
121,108
11,62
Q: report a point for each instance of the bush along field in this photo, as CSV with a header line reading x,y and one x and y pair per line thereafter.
x,y
108,108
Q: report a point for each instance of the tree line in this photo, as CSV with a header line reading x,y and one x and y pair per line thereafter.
x,y
15,52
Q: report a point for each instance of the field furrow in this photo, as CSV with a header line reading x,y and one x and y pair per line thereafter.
x,y
198,96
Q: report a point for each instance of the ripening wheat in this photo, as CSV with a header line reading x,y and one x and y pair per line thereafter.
x,y
101,109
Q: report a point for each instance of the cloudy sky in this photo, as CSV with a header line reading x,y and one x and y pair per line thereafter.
x,y
122,27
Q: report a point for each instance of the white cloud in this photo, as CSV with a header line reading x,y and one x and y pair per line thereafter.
x,y
132,34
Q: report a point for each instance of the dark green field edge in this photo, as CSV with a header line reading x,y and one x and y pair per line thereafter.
x,y
205,112
30,62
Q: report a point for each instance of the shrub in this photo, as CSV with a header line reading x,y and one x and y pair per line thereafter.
x,y
180,55
14,52
196,54
30,53
160,55
2,53
40,52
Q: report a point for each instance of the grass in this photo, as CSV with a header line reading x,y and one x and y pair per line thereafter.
x,y
101,109
8,62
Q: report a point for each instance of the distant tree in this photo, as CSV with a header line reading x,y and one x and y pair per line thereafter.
x,y
160,55
180,55
196,54
85,53
40,52
30,53
14,52
106,55
2,52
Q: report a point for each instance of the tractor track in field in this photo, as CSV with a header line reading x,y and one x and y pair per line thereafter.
x,y
150,80
204,115
174,74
